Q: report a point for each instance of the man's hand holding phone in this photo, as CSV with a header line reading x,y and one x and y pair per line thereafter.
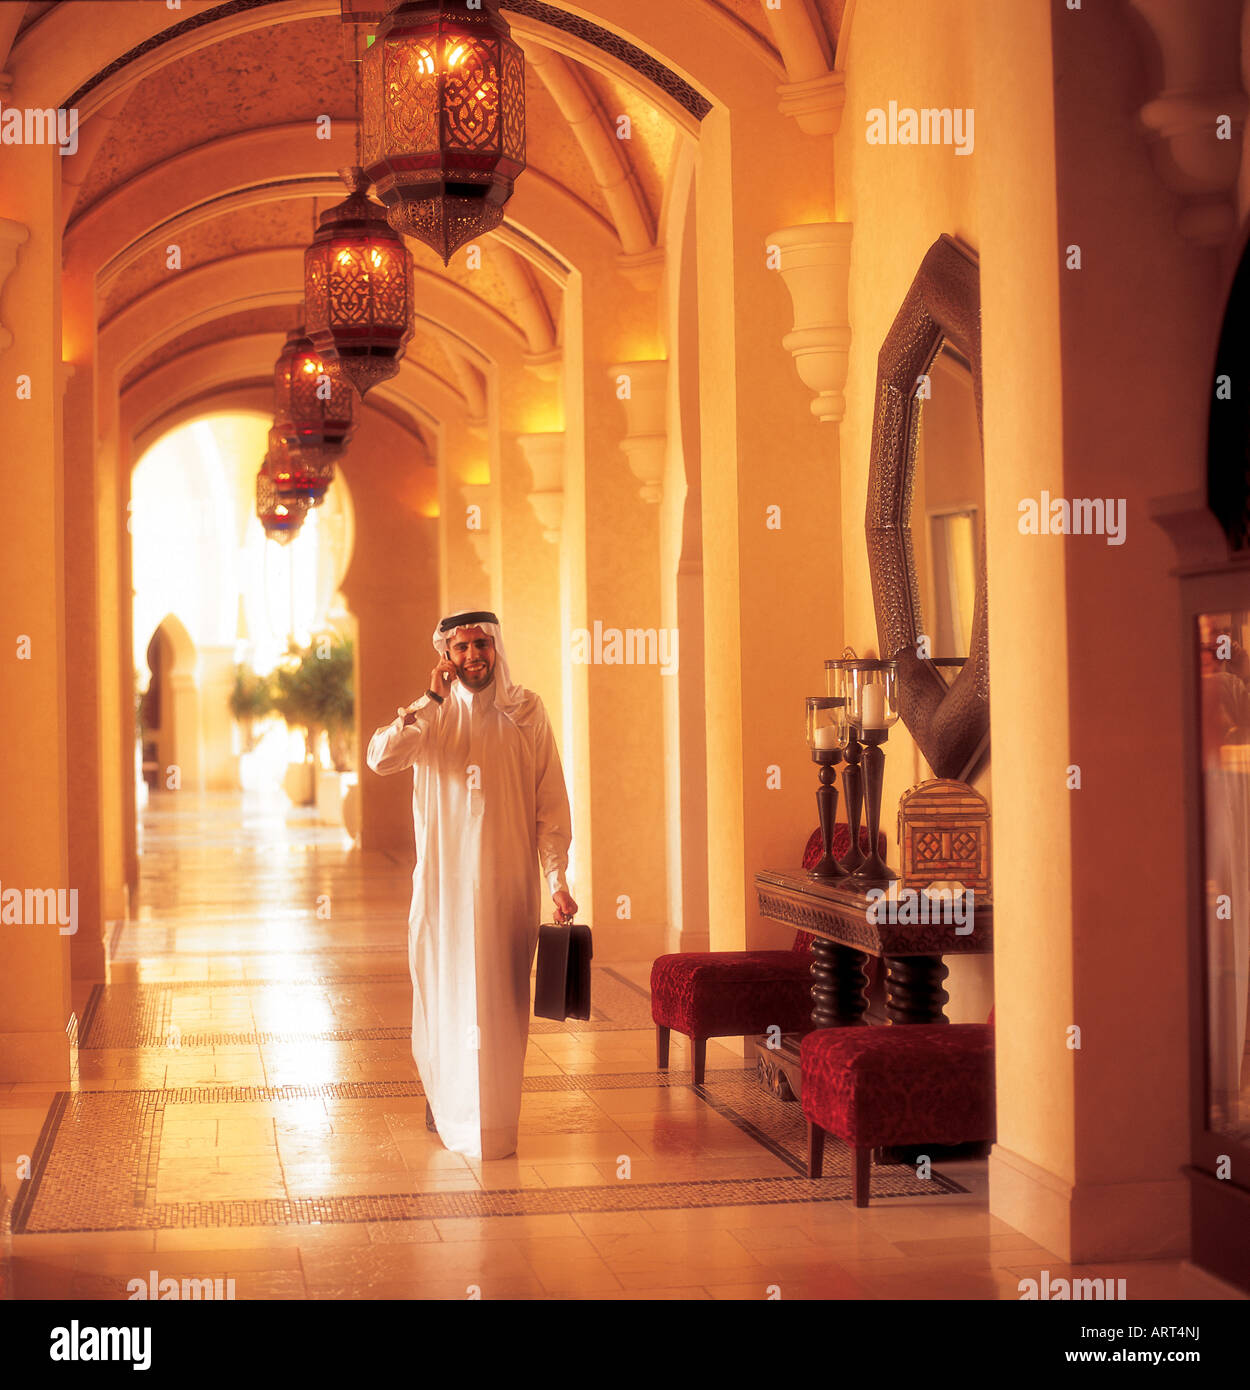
x,y
442,676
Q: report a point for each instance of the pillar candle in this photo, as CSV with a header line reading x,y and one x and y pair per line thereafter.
x,y
872,707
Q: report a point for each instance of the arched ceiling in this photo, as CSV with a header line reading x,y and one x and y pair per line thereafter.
x,y
146,175
294,73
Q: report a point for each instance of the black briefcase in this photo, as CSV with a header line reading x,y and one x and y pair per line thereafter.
x,y
562,981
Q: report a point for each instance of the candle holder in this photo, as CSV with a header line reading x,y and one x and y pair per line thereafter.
x,y
872,706
836,682
827,731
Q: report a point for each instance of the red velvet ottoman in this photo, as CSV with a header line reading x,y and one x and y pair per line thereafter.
x,y
914,1084
720,994
723,994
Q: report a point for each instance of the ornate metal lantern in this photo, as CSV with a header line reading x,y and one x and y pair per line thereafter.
x,y
314,410
280,519
358,288
297,477
443,119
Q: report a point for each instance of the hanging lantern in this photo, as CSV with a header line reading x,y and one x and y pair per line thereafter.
x,y
297,477
314,410
281,520
443,119
358,288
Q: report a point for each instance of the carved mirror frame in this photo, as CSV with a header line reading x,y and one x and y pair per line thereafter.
x,y
951,724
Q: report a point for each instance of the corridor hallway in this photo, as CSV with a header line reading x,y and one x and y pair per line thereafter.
x,y
245,1107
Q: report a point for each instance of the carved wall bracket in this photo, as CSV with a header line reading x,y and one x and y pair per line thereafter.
x,y
815,262
478,495
1200,45
545,455
12,235
642,388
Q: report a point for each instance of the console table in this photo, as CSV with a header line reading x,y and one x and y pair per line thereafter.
x,y
837,917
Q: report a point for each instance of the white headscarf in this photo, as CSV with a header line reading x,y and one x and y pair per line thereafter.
x,y
508,695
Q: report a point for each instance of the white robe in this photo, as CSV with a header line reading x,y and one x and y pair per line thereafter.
x,y
476,900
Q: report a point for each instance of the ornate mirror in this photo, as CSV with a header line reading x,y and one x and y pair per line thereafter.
x,y
925,518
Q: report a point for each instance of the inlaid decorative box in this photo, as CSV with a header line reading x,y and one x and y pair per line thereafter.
x,y
944,835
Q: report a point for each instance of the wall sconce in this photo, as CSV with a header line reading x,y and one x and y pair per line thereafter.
x,y
815,263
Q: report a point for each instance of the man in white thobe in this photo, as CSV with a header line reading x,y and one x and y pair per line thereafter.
x,y
488,804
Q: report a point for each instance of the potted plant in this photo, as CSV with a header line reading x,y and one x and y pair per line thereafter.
x,y
328,668
312,691
290,697
329,677
251,700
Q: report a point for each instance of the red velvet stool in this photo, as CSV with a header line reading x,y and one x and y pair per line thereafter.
x,y
722,994
929,1083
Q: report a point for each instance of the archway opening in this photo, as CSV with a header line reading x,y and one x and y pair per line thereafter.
x,y
204,572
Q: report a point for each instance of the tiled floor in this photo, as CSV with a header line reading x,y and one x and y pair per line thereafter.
x,y
245,1107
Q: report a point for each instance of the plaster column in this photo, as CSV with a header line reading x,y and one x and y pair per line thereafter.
x,y
82,655
35,1011
681,568
771,541
612,541
1094,1091
392,589
528,568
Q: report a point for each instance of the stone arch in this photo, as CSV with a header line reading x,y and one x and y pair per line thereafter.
x,y
176,698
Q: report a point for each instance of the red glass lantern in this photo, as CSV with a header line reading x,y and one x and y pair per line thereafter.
x,y
443,119
296,477
280,519
314,410
358,289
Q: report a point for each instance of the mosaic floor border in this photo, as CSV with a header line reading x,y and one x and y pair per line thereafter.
x,y
404,1090
528,1201
169,946
121,1130
139,1014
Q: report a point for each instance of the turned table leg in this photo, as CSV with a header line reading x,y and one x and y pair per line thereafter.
x,y
913,989
839,985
